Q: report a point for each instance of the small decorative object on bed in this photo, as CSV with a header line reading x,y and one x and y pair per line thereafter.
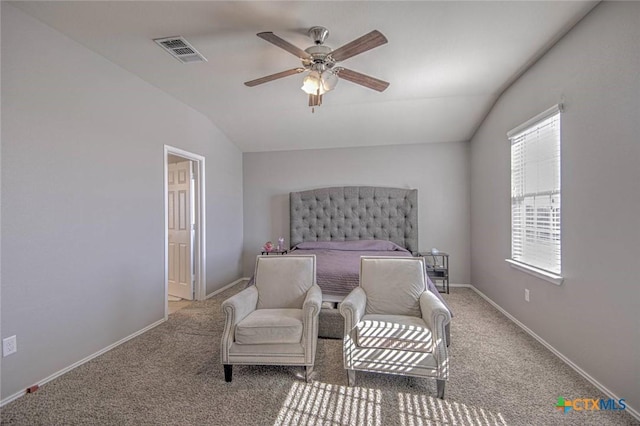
x,y
268,246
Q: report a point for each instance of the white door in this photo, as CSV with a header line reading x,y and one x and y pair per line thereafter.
x,y
180,230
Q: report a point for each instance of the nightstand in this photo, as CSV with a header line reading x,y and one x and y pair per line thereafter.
x,y
438,269
275,252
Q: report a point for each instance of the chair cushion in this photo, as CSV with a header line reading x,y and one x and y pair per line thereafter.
x,y
393,285
394,332
264,326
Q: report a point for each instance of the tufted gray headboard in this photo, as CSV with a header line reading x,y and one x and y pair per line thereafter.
x,y
355,213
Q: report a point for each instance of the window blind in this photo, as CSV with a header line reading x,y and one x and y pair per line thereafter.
x,y
535,192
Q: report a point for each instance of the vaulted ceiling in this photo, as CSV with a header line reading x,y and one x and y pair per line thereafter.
x,y
447,62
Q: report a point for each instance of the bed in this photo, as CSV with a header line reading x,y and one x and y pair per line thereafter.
x,y
338,262
339,225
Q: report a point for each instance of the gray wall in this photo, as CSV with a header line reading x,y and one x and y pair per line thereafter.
x,y
592,318
83,203
440,172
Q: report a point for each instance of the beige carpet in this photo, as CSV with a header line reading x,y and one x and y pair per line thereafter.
x,y
172,375
175,306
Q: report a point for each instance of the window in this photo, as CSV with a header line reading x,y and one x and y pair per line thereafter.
x,y
535,193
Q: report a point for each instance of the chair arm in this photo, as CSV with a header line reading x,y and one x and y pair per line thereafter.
x,y
310,314
312,302
352,308
436,316
237,307
434,313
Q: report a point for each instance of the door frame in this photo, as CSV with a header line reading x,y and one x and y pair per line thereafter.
x,y
199,245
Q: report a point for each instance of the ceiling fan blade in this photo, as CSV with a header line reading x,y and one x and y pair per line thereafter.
x,y
359,45
284,44
272,77
363,80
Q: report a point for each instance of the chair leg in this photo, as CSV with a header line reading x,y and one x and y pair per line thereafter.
x,y
447,332
351,377
228,371
308,369
440,386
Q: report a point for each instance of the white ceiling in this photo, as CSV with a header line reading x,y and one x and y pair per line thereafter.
x,y
446,61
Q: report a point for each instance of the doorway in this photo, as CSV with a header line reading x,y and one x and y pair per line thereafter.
x,y
184,195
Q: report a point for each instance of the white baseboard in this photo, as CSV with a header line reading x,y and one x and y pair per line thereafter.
x,y
461,285
108,348
556,352
82,361
220,290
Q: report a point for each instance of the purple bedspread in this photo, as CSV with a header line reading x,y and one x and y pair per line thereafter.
x,y
338,263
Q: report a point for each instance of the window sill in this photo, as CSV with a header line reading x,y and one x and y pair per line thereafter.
x,y
536,272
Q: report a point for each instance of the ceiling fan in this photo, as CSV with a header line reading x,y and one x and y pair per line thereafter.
x,y
320,60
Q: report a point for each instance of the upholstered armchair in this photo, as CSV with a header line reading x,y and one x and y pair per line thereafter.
x,y
393,323
274,321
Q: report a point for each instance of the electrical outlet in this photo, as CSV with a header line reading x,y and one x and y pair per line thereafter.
x,y
9,346
526,294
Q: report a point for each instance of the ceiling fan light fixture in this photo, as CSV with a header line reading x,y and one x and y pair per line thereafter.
x,y
312,84
329,80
